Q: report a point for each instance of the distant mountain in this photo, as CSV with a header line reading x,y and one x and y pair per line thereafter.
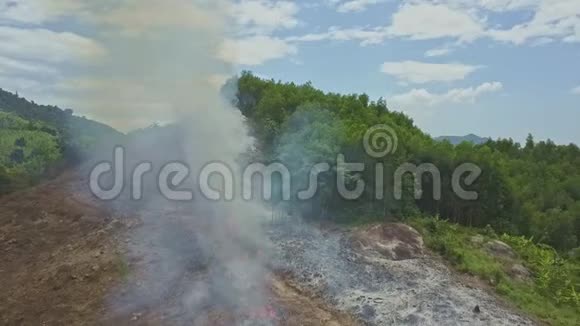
x,y
471,138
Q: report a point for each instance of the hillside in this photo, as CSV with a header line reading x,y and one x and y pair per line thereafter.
x,y
62,119
531,189
326,259
28,151
528,193
70,259
38,141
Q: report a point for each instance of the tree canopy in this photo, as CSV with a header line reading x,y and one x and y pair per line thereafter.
x,y
531,190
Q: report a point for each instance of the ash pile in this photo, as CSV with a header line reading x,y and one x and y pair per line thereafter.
x,y
194,270
381,275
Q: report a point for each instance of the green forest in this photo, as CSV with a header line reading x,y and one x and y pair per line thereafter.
x,y
39,141
528,194
531,189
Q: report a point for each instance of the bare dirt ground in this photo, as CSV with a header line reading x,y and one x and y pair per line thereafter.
x,y
64,260
58,259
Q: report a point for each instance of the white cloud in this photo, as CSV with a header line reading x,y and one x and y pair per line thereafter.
x,y
257,20
542,41
491,5
419,98
465,21
558,19
10,66
575,90
422,72
127,16
356,5
437,52
254,50
18,84
507,5
365,36
436,21
134,18
166,65
553,18
265,16
426,21
47,46
37,12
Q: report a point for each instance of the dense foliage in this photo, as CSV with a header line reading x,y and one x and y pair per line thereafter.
x,y
27,150
530,190
77,135
36,141
549,292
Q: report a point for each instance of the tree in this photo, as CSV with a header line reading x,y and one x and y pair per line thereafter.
x,y
532,190
529,142
20,142
17,156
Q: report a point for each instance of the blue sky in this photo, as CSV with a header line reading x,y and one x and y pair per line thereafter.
x,y
499,68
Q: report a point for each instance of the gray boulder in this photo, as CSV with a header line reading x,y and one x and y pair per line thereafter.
x,y
500,249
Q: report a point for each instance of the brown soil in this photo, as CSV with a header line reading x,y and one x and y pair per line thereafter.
x,y
61,260
305,309
58,260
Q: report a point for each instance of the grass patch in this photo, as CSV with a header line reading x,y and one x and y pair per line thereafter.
x,y
551,294
122,266
529,300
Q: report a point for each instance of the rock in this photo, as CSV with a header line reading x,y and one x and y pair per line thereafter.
x,y
394,241
476,310
520,272
413,319
500,249
477,240
368,312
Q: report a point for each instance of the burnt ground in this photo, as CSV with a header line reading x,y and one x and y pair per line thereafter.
x,y
380,288
67,260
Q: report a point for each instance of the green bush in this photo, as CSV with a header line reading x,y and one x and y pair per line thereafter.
x,y
553,274
27,150
551,296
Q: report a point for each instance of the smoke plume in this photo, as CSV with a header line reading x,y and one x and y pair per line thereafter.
x,y
192,258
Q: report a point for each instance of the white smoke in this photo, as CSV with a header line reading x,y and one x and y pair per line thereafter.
x,y
160,63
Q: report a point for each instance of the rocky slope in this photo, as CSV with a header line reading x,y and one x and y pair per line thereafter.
x,y
380,287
